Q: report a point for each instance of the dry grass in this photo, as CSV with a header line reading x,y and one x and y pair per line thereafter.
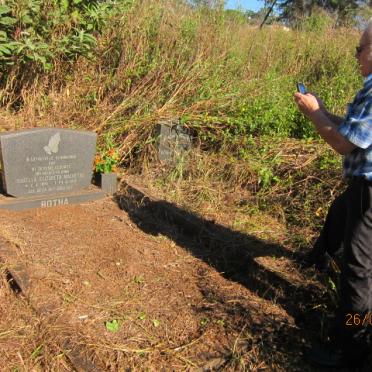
x,y
276,185
27,341
162,61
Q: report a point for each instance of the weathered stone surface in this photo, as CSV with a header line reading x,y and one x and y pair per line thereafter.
x,y
48,201
46,161
108,182
174,140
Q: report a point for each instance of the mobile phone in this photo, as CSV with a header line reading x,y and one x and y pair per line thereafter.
x,y
301,88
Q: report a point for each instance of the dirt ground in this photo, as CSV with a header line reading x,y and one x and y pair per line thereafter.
x,y
107,290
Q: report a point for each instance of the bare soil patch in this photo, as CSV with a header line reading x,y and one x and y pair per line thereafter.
x,y
174,302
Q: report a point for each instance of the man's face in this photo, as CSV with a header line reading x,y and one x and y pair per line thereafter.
x,y
364,55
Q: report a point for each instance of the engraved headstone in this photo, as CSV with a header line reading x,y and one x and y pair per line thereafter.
x,y
174,140
46,161
46,167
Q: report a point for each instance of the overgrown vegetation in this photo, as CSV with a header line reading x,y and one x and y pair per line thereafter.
x,y
119,67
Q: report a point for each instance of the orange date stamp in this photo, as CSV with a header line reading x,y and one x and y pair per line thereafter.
x,y
359,319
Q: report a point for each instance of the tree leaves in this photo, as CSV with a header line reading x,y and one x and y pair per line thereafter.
x,y
7,21
64,5
4,9
34,32
294,9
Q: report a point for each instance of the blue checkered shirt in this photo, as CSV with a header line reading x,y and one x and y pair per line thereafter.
x,y
357,128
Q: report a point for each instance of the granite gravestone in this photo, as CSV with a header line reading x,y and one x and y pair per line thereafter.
x,y
47,167
173,140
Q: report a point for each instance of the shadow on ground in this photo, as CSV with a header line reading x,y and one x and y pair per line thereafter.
x,y
233,254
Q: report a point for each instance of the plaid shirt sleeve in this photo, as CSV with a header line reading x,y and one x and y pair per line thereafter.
x,y
357,127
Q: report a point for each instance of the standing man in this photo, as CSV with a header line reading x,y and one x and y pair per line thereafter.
x,y
349,220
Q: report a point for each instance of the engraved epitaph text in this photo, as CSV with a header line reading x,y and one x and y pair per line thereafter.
x,y
46,161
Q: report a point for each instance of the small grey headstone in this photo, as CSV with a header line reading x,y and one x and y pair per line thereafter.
x,y
174,140
46,161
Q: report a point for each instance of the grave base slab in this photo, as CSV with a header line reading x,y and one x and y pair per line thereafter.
x,y
47,201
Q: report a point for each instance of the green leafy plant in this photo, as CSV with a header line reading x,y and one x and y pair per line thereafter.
x,y
112,326
139,279
220,322
107,157
204,321
142,315
37,36
37,352
106,161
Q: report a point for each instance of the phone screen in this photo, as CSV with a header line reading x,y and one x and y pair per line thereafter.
x,y
301,88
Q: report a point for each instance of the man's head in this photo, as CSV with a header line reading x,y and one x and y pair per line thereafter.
x,y
364,51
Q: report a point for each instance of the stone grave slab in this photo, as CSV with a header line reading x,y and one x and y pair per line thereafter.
x,y
173,140
46,161
46,167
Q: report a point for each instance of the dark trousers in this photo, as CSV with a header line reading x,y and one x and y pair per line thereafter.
x,y
348,229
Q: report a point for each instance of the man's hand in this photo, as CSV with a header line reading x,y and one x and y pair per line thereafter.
x,y
325,124
320,103
308,104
